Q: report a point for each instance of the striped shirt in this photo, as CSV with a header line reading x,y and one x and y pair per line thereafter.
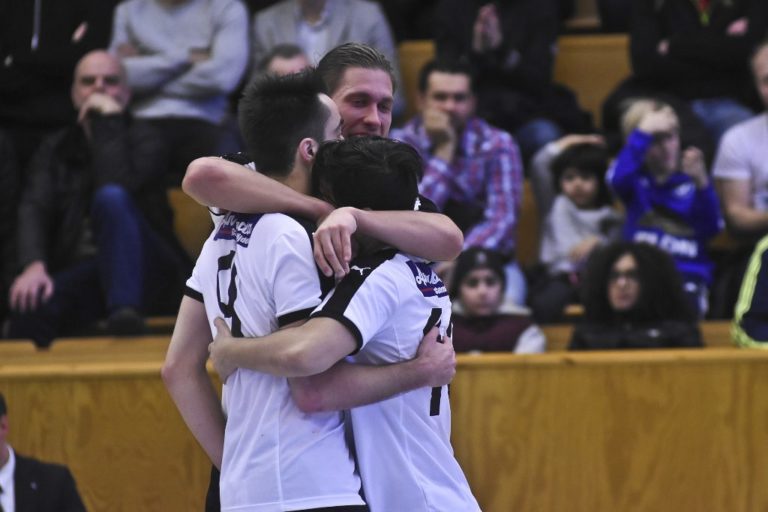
x,y
486,173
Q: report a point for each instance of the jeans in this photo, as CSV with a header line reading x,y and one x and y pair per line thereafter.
x,y
534,134
719,114
131,265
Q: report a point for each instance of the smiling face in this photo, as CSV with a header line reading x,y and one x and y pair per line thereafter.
x,y
364,97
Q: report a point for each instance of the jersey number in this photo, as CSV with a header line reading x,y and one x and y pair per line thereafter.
x,y
227,264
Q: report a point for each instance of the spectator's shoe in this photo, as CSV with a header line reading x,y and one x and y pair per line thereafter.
x,y
125,321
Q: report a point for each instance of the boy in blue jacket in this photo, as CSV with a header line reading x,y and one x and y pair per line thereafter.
x,y
668,196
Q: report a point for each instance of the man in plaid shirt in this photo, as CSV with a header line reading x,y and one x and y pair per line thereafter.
x,y
473,171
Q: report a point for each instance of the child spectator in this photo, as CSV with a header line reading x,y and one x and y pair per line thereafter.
x,y
669,199
481,321
581,218
633,298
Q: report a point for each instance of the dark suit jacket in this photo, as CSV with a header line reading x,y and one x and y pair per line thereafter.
x,y
44,487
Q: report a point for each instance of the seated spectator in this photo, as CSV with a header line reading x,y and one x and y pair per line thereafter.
x,y
582,218
473,171
633,298
27,484
668,197
40,43
741,178
481,322
543,183
9,193
95,231
318,26
750,317
512,46
181,78
284,59
694,56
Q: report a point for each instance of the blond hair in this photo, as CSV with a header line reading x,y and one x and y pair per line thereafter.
x,y
635,109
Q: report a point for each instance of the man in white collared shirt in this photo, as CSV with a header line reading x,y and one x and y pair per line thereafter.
x,y
27,484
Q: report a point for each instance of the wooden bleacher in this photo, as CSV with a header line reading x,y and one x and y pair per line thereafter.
x,y
661,430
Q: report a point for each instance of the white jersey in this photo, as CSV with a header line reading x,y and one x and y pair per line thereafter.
x,y
258,272
743,156
389,302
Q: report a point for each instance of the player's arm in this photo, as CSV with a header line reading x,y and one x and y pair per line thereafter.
x,y
347,385
213,181
187,381
431,236
312,352
740,215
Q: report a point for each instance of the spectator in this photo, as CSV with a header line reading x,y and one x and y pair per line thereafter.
x,y
318,26
669,199
581,219
693,55
27,484
284,59
95,230
750,318
480,322
741,178
40,43
9,193
633,298
181,77
473,170
512,45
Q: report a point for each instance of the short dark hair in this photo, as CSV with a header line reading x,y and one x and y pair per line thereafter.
x,y
450,66
661,289
3,407
368,172
284,51
275,113
588,160
352,55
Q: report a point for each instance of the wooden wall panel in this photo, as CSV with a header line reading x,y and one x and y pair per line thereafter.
x,y
624,431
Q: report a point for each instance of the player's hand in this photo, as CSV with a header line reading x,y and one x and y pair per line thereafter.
x,y
693,165
218,350
333,242
32,288
437,358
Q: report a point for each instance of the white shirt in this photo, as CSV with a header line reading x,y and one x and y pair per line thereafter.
x,y
388,301
743,155
8,496
259,273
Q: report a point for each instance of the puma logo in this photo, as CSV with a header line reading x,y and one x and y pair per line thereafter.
x,y
361,270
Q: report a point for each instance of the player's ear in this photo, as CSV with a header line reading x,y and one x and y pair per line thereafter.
x,y
308,149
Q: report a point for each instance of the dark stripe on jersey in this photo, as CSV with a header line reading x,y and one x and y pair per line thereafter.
x,y
347,288
193,294
346,322
434,403
294,316
427,205
326,282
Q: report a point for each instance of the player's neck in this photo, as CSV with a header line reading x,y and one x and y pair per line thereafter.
x,y
298,180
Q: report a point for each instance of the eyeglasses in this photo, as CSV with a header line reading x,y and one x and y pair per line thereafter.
x,y
629,275
474,282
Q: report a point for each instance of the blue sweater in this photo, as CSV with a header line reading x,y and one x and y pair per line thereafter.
x,y
675,216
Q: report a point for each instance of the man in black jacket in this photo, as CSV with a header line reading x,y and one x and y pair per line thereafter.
x,y
28,484
95,236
